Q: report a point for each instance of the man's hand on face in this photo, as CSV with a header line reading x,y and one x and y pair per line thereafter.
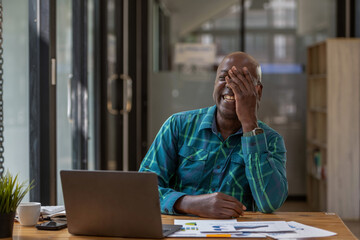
x,y
241,82
215,205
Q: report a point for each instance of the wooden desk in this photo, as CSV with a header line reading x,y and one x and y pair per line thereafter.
x,y
325,221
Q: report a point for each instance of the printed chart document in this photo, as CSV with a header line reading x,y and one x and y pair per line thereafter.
x,y
191,229
254,229
263,227
217,228
302,231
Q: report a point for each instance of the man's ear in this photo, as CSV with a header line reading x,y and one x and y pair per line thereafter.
x,y
259,88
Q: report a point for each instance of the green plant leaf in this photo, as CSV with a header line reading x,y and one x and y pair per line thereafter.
x,y
12,192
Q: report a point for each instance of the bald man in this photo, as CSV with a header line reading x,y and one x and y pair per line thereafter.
x,y
220,161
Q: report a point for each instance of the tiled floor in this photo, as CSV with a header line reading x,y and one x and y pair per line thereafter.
x,y
301,206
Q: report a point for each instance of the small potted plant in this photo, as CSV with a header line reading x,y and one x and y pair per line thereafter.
x,y
11,194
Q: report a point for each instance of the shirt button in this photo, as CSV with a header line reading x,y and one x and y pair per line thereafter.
x,y
218,166
213,189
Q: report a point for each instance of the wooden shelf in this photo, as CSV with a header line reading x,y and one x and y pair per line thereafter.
x,y
317,76
318,109
315,178
331,64
317,143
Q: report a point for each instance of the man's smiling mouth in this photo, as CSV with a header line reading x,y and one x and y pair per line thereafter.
x,y
229,98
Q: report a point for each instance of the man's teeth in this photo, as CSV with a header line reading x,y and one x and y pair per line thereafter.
x,y
228,97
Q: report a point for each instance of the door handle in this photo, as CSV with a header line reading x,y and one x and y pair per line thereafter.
x,y
128,86
109,105
69,100
128,94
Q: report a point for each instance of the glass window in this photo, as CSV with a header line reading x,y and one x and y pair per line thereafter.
x,y
63,101
16,88
64,47
91,142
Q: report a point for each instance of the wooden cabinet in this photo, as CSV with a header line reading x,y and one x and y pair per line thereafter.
x,y
333,127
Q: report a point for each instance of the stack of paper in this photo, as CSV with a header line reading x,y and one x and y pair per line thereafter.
x,y
53,212
232,228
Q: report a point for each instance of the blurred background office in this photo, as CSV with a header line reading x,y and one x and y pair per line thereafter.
x,y
88,83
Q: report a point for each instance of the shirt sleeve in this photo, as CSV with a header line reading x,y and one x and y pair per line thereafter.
x,y
265,170
162,159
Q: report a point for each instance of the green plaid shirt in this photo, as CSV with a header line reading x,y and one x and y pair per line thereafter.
x,y
190,157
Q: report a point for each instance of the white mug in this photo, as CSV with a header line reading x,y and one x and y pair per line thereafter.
x,y
29,213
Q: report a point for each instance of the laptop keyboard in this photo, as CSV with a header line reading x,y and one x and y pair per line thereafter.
x,y
166,229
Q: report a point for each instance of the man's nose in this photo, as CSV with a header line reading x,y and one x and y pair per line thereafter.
x,y
227,85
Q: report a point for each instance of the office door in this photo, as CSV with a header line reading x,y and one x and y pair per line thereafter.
x,y
120,100
99,107
117,80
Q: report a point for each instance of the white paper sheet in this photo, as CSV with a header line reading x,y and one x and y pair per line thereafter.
x,y
302,231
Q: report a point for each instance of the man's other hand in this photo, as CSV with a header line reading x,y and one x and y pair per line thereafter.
x,y
215,205
241,83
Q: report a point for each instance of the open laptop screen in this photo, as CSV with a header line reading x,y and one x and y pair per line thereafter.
x,y
112,203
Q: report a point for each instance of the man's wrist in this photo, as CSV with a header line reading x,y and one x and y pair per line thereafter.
x,y
249,127
180,205
254,132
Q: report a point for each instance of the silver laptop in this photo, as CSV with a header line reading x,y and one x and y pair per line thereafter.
x,y
113,203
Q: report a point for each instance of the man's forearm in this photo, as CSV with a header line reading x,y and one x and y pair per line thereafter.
x,y
189,204
270,189
265,171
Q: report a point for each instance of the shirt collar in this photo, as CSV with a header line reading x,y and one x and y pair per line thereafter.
x,y
209,118
209,121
